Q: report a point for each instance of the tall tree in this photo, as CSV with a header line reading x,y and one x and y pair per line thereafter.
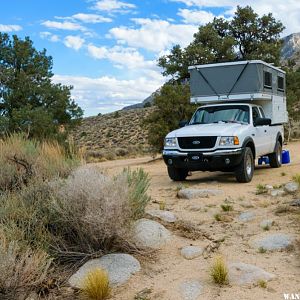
x,y
246,36
29,100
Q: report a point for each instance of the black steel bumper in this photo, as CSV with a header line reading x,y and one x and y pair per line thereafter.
x,y
218,160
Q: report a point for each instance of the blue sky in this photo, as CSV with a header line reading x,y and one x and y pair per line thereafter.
x,y
108,49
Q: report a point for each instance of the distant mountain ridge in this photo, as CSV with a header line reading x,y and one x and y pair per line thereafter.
x,y
290,50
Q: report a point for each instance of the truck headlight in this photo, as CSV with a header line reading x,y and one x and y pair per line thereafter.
x,y
229,141
170,142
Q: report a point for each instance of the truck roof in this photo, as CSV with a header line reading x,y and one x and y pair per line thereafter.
x,y
231,104
236,63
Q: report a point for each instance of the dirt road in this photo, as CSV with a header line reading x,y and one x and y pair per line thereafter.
x,y
164,276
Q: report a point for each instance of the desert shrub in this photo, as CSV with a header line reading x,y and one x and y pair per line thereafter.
x,y
96,285
22,269
139,182
261,189
22,160
219,271
296,178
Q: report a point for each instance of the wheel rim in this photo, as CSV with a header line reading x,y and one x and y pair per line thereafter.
x,y
249,165
279,154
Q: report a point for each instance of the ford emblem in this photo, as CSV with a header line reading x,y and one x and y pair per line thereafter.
x,y
195,157
196,142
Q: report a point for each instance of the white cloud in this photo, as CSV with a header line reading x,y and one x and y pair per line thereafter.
x,y
106,94
121,56
74,42
9,28
49,36
199,17
286,11
64,25
113,6
154,35
91,18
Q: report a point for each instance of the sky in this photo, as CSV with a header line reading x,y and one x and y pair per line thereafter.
x,y
108,49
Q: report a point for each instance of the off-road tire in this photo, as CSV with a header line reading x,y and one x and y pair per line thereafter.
x,y
244,171
275,158
177,174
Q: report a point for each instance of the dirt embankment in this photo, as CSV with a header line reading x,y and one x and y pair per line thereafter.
x,y
164,276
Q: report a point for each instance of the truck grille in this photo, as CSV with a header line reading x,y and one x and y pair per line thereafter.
x,y
197,142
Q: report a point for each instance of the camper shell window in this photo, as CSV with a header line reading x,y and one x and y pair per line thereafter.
x,y
280,83
267,79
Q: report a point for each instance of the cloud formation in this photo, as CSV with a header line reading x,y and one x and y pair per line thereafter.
x,y
10,28
74,42
65,25
113,6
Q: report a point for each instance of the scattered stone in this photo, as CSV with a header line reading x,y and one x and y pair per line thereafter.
x,y
277,193
190,193
266,224
195,208
269,187
291,187
150,234
247,216
164,215
295,203
246,274
247,205
191,252
119,267
191,289
274,241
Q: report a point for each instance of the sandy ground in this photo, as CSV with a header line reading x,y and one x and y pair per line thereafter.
x,y
164,275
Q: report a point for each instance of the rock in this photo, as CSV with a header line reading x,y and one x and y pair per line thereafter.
x,y
266,224
269,187
198,193
164,215
246,274
274,241
295,203
191,289
247,216
191,252
291,187
150,234
120,267
277,193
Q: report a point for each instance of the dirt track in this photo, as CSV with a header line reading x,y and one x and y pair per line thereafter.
x,y
170,269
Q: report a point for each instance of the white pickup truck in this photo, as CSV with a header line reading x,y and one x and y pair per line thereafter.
x,y
223,137
242,119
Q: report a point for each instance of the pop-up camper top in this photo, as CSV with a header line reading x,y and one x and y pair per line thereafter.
x,y
243,81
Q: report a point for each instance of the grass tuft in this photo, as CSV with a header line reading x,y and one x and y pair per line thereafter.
x,y
226,207
262,283
219,271
261,189
96,285
262,250
296,178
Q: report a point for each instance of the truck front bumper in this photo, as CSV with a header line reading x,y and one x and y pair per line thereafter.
x,y
217,160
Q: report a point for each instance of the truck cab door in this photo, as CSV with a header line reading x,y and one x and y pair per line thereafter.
x,y
260,134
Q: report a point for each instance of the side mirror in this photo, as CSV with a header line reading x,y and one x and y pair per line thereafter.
x,y
262,122
183,123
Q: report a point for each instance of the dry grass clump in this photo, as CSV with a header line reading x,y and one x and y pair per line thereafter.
x,y
96,285
22,160
219,271
261,189
22,269
296,178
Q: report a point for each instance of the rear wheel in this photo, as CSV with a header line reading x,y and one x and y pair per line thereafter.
x,y
275,157
244,172
177,174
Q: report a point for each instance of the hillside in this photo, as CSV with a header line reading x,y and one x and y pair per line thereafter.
x,y
113,135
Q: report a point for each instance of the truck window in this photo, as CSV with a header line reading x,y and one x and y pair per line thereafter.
x,y
227,114
267,80
262,112
255,114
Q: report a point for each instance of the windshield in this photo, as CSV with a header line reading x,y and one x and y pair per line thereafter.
x,y
221,114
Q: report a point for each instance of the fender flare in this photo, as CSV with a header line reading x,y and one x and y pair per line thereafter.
x,y
249,140
278,138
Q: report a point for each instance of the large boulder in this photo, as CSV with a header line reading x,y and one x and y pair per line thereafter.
x,y
273,241
190,193
119,267
246,274
164,215
150,234
190,289
291,187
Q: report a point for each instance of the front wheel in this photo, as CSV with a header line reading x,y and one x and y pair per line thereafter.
x,y
177,174
244,172
275,157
